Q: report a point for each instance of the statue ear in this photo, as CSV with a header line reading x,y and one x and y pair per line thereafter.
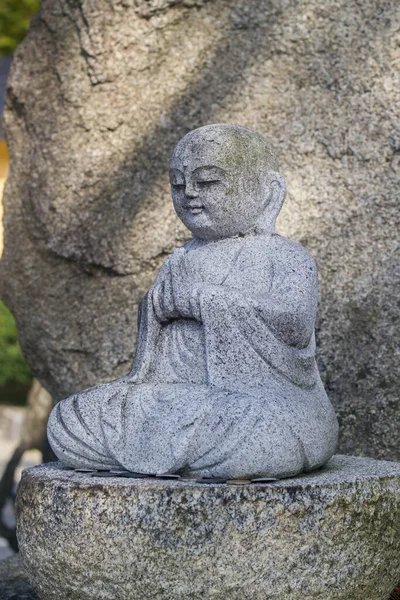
x,y
278,189
275,187
277,193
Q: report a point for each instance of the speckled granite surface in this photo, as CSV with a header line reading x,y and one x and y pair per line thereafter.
x,y
332,534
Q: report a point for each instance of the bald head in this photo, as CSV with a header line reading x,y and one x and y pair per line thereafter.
x,y
219,178
232,146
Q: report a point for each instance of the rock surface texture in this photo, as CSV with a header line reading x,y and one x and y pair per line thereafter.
x,y
98,96
332,534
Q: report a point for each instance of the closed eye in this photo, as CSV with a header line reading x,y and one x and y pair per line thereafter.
x,y
208,181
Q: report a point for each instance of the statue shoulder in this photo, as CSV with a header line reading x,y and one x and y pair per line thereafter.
x,y
292,254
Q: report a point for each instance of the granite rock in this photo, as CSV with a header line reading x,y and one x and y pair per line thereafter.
x,y
98,96
332,534
224,381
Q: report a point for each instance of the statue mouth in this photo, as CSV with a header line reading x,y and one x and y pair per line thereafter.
x,y
194,209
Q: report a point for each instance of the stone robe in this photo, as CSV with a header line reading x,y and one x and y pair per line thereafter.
x,y
224,382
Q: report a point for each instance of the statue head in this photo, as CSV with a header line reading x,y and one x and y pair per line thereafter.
x,y
225,182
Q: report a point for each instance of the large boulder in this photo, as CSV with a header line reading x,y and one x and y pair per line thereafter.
x,y
98,95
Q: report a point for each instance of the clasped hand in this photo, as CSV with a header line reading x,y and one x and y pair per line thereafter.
x,y
175,294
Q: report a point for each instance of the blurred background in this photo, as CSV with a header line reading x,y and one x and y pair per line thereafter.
x,y
15,376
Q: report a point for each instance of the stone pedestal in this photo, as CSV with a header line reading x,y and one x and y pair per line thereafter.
x,y
330,535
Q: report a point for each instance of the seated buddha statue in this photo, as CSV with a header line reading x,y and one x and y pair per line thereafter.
x,y
224,381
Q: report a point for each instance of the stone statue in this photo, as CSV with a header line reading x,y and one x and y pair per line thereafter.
x,y
224,382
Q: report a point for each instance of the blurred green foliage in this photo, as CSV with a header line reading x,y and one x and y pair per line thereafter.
x,y
13,368
15,16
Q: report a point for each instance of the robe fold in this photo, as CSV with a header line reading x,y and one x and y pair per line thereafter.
x,y
226,385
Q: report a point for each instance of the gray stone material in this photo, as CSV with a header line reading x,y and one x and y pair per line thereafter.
x,y
224,382
329,535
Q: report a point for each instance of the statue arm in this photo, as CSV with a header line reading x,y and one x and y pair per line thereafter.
x,y
237,331
290,307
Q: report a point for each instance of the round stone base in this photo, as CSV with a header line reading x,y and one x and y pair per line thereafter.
x,y
330,535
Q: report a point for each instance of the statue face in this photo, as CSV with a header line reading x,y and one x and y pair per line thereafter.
x,y
214,194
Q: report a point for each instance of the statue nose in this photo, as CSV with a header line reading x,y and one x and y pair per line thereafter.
x,y
191,191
